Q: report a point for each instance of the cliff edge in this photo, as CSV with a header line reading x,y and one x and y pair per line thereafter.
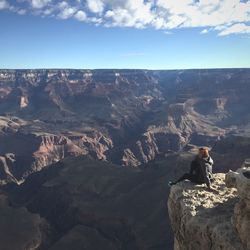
x,y
219,219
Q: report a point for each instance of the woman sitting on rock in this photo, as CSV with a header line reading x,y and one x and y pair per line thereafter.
x,y
200,169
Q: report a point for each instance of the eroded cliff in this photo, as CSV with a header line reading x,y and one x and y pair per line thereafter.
x,y
127,117
218,219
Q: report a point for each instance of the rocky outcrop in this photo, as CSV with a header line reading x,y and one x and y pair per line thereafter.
x,y
6,164
53,148
36,151
241,217
217,219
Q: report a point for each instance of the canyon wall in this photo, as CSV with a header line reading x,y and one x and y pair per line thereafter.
x,y
127,117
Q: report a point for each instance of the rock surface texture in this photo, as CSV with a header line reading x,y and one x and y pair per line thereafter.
x,y
241,217
218,219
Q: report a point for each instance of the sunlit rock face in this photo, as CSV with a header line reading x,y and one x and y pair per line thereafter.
x,y
241,218
201,219
128,117
218,219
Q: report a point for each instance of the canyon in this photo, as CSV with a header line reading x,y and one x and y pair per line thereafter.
x,y
86,155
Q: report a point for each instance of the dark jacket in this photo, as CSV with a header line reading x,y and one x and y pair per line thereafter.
x,y
201,169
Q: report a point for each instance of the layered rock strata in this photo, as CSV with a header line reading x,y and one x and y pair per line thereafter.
x,y
127,117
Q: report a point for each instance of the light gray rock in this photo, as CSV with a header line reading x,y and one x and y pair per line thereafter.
x,y
201,219
241,218
230,179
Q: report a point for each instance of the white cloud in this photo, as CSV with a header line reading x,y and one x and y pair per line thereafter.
x,y
96,21
205,13
63,5
95,6
221,16
220,27
48,11
80,15
130,13
38,4
67,13
205,31
21,11
238,28
3,4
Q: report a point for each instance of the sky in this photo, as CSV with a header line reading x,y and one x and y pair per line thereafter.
x,y
152,34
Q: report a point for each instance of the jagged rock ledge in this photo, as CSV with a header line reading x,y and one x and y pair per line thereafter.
x,y
241,216
203,219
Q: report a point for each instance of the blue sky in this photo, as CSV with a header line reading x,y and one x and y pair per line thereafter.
x,y
124,34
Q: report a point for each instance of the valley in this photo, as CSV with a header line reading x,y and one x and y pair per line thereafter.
x,y
86,155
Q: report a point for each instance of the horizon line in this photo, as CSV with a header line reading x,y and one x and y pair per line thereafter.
x,y
155,69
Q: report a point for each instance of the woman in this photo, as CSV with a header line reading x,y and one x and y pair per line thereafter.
x,y
200,169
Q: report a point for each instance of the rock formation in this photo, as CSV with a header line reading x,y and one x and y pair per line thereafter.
x,y
241,218
218,219
128,117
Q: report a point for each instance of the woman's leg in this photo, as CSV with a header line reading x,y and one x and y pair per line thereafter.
x,y
184,177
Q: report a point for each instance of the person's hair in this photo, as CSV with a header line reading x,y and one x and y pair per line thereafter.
x,y
204,152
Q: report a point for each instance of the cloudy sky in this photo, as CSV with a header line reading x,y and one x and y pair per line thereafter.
x,y
152,34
